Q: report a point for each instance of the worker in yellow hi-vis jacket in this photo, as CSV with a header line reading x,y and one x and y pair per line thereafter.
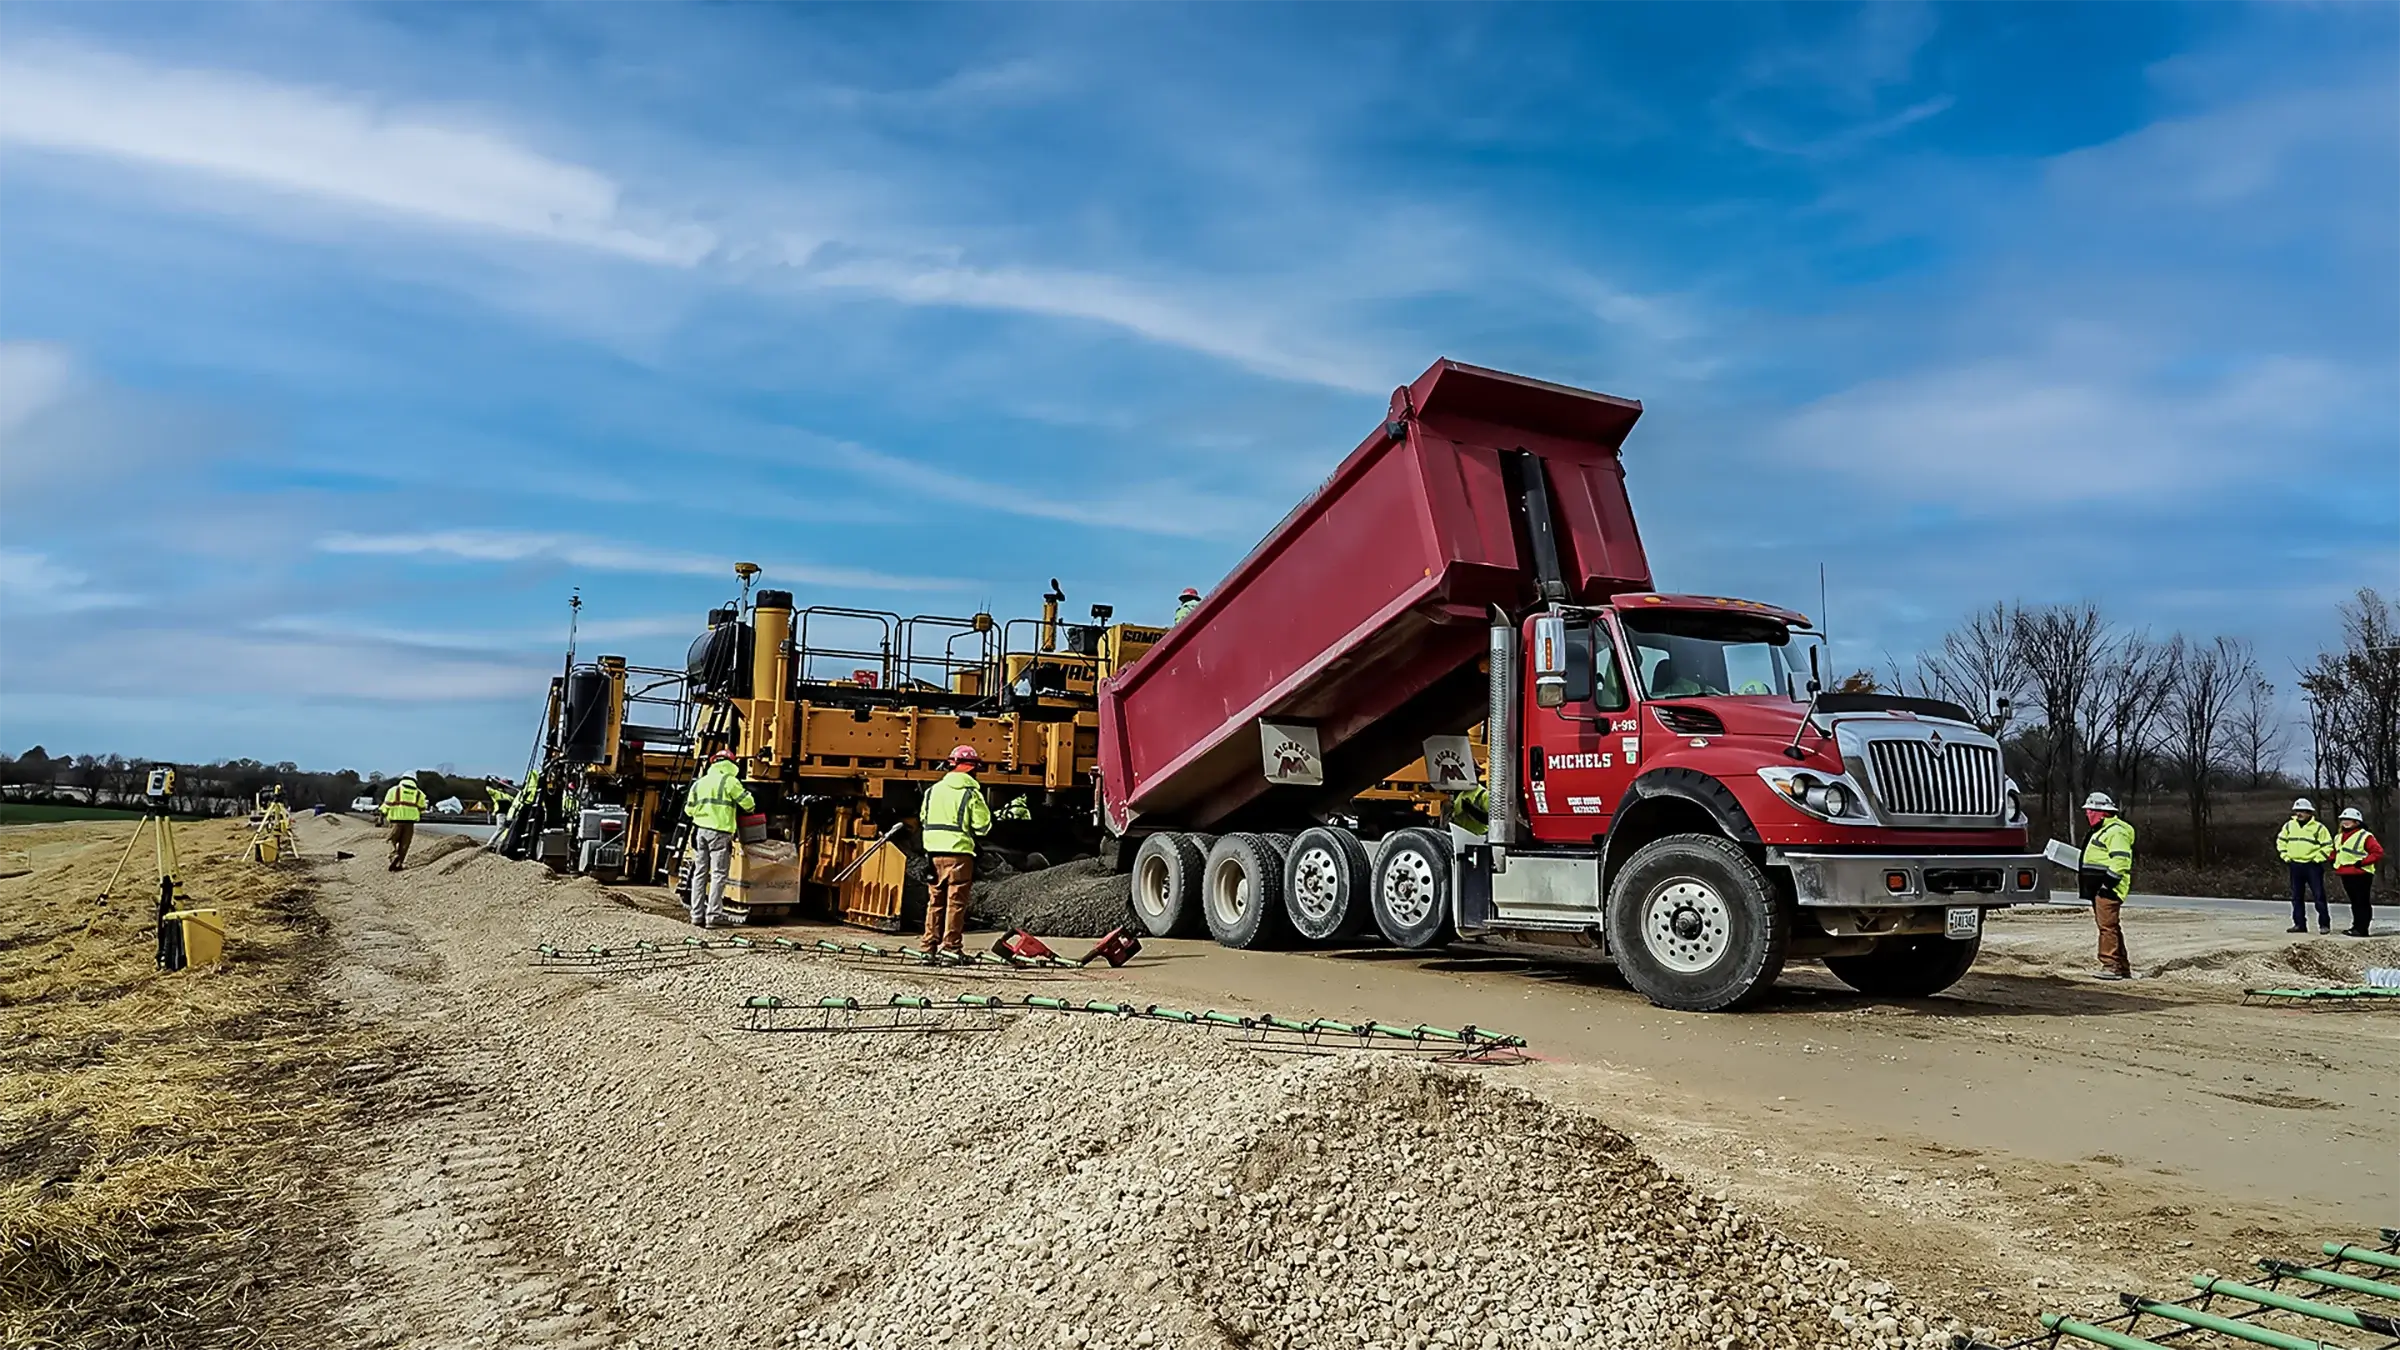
x,y
403,806
2305,846
952,821
714,806
2108,878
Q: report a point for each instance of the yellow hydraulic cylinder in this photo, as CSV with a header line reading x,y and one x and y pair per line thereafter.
x,y
770,722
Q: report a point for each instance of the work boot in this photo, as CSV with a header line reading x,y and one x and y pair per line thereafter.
x,y
2354,932
2107,975
2323,929
2297,928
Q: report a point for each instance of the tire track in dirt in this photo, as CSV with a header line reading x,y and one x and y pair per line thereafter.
x,y
451,1242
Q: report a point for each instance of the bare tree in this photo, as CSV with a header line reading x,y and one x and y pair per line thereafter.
x,y
1976,660
2208,686
2059,647
2333,752
2124,707
2354,705
2257,737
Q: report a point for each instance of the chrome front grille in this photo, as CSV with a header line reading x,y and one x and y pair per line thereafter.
x,y
1913,778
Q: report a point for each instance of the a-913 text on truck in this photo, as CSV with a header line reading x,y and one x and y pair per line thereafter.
x,y
1667,785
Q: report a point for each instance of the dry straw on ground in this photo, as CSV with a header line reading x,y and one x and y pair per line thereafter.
x,y
154,1128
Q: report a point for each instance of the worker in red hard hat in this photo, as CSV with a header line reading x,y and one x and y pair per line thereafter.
x,y
1186,603
952,821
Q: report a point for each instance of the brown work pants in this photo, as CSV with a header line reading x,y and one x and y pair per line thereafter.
x,y
402,832
946,902
2106,910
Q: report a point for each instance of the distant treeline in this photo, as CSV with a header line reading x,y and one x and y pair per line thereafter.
x,y
2184,722
224,788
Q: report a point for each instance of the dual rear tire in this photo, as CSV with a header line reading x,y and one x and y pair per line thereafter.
x,y
1166,883
1267,890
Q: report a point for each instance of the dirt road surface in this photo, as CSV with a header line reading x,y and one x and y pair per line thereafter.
x,y
2031,1142
569,1158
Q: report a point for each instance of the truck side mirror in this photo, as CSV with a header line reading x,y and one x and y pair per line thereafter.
x,y
1997,709
1562,662
1550,661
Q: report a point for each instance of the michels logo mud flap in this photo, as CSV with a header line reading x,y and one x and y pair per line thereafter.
x,y
1290,754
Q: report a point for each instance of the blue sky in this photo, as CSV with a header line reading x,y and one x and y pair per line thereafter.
x,y
337,344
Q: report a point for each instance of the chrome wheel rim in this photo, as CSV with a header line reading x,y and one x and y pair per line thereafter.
x,y
1408,888
1316,883
1686,926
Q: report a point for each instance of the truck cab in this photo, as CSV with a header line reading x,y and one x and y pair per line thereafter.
x,y
1685,799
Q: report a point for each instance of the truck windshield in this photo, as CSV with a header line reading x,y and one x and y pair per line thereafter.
x,y
1698,653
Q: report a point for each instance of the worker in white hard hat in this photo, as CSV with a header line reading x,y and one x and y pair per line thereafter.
x,y
2107,878
2305,846
2356,850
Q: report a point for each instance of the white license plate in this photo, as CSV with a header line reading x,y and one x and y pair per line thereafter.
x,y
1964,923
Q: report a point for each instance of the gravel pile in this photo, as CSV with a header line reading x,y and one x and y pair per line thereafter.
x,y
1066,1181
1084,898
427,849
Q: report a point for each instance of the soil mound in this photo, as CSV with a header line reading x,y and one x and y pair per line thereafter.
x,y
1084,898
426,850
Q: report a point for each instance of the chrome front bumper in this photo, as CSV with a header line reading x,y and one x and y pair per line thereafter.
x,y
1865,880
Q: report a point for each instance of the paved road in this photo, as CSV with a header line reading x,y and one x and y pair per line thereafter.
x,y
2275,909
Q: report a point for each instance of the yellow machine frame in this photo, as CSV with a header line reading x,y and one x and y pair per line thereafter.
x,y
850,767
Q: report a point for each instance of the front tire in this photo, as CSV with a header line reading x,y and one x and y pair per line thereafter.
x,y
1166,885
1241,892
1695,924
1411,896
1325,883
1907,967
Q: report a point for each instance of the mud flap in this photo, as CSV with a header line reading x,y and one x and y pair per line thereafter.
x,y
1471,888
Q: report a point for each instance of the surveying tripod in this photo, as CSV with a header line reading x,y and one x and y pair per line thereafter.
x,y
170,890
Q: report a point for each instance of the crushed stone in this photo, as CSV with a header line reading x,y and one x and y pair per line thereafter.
x,y
649,1171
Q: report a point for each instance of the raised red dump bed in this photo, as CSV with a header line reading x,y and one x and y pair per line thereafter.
x,y
1364,612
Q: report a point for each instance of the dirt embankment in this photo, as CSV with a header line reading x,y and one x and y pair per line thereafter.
x,y
167,1141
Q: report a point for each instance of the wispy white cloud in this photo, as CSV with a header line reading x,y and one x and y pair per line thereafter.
x,y
35,583
352,629
1831,97
514,546
1247,338
33,376
324,145
1167,509
2006,433
443,170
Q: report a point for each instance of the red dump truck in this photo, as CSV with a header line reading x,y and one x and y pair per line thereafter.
x,y
1667,783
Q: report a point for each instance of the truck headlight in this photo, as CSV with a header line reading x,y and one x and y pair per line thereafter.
x,y
2016,802
1822,796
